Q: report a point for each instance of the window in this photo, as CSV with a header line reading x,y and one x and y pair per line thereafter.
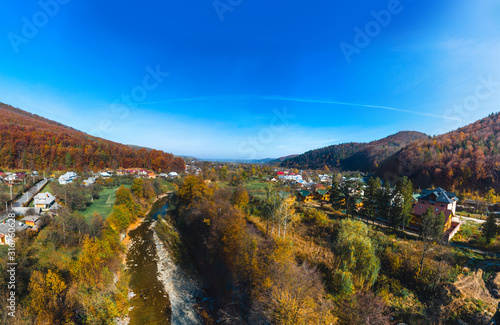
x,y
442,205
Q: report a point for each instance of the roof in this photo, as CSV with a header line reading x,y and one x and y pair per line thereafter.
x,y
438,195
321,191
44,198
31,218
4,227
304,193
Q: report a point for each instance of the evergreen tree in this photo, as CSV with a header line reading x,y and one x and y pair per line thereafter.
x,y
335,195
490,228
370,198
431,231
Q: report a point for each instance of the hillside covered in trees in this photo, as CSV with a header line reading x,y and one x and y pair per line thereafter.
x,y
468,157
28,141
363,157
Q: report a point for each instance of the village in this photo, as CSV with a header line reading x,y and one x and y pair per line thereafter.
x,y
296,187
35,203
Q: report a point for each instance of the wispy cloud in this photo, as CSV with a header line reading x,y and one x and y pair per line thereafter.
x,y
302,100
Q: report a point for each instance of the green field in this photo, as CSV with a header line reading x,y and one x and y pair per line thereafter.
x,y
255,188
104,204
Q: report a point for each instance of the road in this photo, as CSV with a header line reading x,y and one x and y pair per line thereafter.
x,y
28,195
462,218
475,250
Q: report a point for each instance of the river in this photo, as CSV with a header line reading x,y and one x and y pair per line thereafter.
x,y
160,291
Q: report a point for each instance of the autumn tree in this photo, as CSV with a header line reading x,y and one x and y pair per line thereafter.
x,y
358,266
193,188
137,188
363,308
46,296
239,197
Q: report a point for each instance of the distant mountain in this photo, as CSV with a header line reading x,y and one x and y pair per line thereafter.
x,y
281,159
465,158
243,161
364,157
29,141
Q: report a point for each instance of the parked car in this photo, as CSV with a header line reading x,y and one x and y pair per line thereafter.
x,y
495,293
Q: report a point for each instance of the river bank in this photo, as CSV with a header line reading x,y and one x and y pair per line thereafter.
x,y
182,287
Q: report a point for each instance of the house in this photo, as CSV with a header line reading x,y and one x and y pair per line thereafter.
x,y
34,173
288,197
20,175
105,175
440,201
164,175
32,221
89,181
67,178
151,175
12,178
322,195
304,196
6,228
44,200
173,175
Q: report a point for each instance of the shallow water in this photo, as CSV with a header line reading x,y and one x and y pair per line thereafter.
x,y
149,302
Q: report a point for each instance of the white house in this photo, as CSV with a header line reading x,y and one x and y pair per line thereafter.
x,y
105,175
173,174
44,200
89,181
67,178
11,178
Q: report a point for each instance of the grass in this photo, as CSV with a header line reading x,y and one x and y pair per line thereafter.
x,y
104,204
167,186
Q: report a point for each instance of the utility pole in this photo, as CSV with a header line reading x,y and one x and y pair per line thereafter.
x,y
10,186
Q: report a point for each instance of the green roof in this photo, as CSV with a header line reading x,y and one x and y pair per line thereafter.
x,y
304,193
321,192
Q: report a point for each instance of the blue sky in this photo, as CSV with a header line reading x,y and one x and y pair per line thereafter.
x,y
251,79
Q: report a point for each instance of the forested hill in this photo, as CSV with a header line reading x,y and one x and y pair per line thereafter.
x,y
354,156
465,158
28,141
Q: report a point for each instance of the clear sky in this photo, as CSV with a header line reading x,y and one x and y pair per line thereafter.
x,y
251,79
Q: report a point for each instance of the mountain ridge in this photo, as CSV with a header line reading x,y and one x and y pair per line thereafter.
x,y
363,157
30,141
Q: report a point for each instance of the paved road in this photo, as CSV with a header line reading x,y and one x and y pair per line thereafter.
x,y
26,197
